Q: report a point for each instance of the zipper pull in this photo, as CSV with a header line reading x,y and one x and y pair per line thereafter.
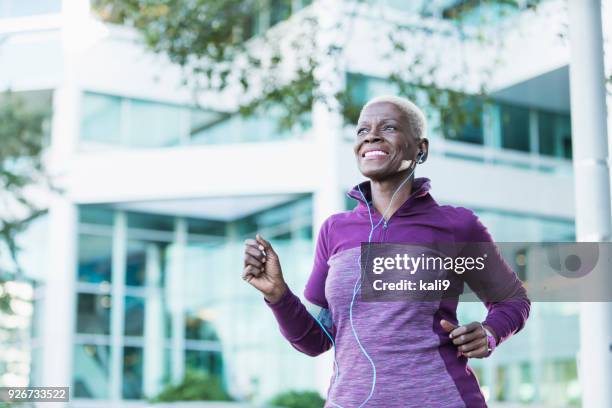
x,y
385,225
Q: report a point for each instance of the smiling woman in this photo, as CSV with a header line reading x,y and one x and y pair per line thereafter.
x,y
380,347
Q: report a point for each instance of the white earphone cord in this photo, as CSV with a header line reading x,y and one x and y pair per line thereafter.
x,y
356,290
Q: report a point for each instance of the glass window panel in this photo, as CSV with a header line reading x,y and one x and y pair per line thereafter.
x,y
92,214
93,313
132,373
91,371
101,118
360,89
95,258
206,227
154,124
555,134
201,123
515,127
142,255
509,227
198,327
23,8
209,362
150,221
464,124
136,263
206,303
134,316
279,10
304,3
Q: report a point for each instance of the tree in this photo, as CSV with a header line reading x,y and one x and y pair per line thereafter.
x,y
21,166
226,45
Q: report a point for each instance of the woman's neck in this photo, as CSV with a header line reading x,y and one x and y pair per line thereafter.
x,y
382,191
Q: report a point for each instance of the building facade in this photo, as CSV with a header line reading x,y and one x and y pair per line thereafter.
x,y
137,264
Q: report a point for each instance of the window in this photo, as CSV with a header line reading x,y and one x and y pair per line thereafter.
x,y
95,258
91,371
462,122
118,121
515,127
205,361
154,124
198,327
93,313
180,311
132,373
279,10
23,8
555,134
134,316
101,120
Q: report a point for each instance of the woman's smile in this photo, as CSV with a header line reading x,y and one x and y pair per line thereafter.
x,y
374,154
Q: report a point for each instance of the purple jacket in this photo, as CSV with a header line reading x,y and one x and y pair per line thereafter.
x,y
417,365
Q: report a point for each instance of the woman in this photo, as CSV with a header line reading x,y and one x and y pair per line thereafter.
x,y
388,354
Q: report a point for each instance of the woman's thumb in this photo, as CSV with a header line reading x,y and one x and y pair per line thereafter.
x,y
266,245
446,325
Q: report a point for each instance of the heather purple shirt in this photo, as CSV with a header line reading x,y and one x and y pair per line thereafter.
x,y
417,365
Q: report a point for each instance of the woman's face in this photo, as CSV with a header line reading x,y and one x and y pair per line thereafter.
x,y
383,141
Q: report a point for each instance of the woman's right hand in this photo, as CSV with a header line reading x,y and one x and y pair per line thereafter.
x,y
262,269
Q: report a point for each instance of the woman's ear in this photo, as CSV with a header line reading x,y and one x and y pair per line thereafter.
x,y
423,150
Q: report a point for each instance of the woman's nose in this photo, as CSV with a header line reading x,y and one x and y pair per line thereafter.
x,y
372,137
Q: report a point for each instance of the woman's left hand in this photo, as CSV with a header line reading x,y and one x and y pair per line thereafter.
x,y
470,339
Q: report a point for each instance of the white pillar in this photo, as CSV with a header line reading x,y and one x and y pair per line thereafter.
x,y
154,337
176,273
327,121
592,192
59,292
118,305
327,125
59,306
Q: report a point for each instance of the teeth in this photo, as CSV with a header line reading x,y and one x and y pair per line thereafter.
x,y
375,153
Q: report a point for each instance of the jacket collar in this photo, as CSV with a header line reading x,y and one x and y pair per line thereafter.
x,y
420,190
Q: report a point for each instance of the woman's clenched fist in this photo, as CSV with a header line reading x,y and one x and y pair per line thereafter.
x,y
262,269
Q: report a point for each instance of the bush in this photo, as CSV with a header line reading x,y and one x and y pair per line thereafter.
x,y
298,399
196,386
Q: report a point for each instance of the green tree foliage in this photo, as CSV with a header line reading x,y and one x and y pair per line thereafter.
x,y
219,44
298,399
196,386
21,145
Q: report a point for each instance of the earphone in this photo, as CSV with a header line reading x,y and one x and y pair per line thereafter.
x,y
405,165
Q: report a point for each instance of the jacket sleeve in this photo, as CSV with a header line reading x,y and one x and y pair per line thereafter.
x,y
497,285
296,323
299,327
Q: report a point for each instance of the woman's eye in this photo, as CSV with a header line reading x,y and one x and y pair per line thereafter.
x,y
362,131
389,128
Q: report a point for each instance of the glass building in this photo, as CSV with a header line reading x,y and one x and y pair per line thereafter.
x,y
141,256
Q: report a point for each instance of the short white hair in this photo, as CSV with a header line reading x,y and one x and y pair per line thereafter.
x,y
415,116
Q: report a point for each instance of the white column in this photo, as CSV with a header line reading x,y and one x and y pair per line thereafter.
x,y
176,271
154,337
327,124
592,193
536,345
59,293
118,304
327,121
59,306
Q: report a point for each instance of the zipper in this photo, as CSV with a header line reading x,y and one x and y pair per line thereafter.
x,y
383,237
